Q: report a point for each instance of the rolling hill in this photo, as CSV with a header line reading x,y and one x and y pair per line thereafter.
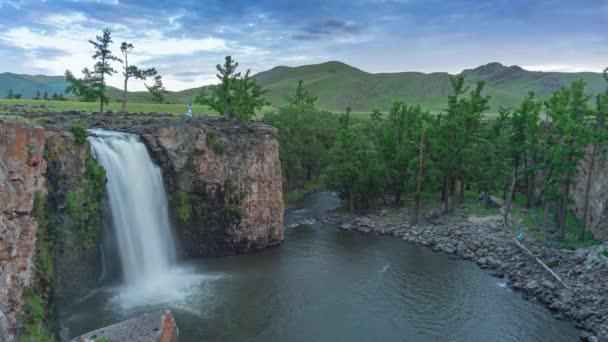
x,y
339,85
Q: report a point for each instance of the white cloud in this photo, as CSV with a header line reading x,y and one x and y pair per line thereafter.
x,y
560,67
73,40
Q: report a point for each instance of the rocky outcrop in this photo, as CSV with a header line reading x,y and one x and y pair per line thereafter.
x,y
22,170
597,215
157,326
75,186
224,182
223,178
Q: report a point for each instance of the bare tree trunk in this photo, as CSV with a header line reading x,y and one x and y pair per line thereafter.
x,y
531,184
124,97
420,174
564,209
546,222
564,213
542,192
443,189
446,200
462,189
581,235
510,198
452,193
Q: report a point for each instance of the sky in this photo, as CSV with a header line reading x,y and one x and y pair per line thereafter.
x,y
184,40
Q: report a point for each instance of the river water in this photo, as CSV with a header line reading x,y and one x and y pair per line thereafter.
x,y
324,284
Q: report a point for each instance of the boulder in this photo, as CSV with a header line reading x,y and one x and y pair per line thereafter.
x,y
156,326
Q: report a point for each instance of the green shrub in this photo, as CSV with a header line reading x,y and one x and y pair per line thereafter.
x,y
33,316
44,256
184,206
218,147
232,188
80,134
232,210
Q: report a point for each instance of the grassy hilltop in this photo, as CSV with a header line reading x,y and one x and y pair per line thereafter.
x,y
338,85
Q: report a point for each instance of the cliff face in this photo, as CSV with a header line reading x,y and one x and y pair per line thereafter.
x,y
223,180
597,214
75,185
224,183
22,170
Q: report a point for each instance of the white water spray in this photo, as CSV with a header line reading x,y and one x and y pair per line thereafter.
x,y
138,205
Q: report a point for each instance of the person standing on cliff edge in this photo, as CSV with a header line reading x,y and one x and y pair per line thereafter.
x,y
189,113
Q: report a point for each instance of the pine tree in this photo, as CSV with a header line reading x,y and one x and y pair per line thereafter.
x,y
37,97
46,96
568,109
236,96
157,90
302,96
135,72
102,68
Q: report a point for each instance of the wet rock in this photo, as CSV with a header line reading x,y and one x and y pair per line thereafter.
x,y
548,284
157,326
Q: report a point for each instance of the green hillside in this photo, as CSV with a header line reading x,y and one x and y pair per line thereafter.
x,y
338,85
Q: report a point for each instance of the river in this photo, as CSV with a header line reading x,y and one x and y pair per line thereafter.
x,y
324,284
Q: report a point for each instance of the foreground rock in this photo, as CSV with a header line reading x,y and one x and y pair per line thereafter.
x,y
583,297
22,170
157,326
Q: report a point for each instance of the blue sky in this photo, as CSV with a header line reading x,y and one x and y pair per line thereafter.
x,y
184,40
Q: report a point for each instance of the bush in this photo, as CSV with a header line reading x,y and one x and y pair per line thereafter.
x,y
80,134
33,315
184,206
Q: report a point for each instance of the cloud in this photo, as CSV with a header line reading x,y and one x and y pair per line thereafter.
x,y
185,39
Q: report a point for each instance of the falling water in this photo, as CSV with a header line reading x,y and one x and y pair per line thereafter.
x,y
138,207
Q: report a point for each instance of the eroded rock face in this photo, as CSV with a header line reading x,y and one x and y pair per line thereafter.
x,y
22,170
224,181
597,215
156,326
75,186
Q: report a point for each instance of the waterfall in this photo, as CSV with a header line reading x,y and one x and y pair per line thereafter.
x,y
138,206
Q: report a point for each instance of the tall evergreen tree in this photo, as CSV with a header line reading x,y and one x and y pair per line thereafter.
x,y
157,90
103,68
132,71
236,96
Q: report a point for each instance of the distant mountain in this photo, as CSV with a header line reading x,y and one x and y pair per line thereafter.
x,y
27,85
338,85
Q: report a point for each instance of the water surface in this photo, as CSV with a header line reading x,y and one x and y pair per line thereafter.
x,y
324,284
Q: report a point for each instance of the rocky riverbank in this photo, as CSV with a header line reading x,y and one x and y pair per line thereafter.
x,y
583,296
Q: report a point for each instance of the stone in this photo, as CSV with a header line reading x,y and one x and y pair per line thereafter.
x,y
156,326
532,285
548,284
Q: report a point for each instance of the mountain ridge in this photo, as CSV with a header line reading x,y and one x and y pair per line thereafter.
x,y
339,85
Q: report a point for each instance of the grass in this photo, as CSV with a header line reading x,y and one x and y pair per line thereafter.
x,y
89,107
295,195
531,221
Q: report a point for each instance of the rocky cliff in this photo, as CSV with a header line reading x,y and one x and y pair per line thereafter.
x,y
597,215
22,170
223,179
224,182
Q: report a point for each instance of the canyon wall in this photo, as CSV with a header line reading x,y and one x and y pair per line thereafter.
x,y
22,180
597,214
223,180
224,183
